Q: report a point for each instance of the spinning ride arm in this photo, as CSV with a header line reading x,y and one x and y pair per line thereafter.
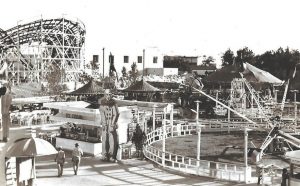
x,y
225,106
290,139
273,133
284,97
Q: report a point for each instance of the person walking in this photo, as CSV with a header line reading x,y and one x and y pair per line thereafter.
x,y
76,157
138,139
285,177
60,159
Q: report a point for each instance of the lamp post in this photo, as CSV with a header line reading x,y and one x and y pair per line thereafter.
x,y
199,134
247,168
246,147
217,97
153,117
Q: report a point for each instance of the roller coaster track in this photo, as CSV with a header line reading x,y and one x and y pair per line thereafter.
x,y
54,41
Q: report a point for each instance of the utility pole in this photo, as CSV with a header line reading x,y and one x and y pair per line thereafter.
x,y
247,168
143,63
199,134
103,62
153,112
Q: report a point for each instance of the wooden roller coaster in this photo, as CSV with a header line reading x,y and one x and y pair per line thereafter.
x,y
31,48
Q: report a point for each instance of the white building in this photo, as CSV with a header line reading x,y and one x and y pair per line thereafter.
x,y
126,57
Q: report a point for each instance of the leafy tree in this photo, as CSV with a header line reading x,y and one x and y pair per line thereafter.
x,y
227,58
281,63
112,73
133,73
54,79
94,65
208,60
245,55
124,72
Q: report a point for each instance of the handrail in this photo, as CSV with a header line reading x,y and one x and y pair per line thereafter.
x,y
225,171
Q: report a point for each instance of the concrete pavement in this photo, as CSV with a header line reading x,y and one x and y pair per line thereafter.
x,y
94,172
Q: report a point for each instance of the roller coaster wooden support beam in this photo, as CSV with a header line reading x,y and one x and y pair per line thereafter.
x,y
51,41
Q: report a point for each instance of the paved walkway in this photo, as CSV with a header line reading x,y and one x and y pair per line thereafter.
x,y
94,172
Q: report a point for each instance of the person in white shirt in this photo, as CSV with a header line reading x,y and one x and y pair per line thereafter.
x,y
76,157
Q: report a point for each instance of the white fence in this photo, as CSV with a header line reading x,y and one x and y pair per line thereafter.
x,y
224,171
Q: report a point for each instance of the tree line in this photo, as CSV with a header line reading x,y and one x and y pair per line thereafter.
x,y
280,63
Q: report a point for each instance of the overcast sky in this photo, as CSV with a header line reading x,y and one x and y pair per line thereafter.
x,y
174,26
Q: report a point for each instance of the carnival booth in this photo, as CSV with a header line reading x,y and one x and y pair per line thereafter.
x,y
294,174
81,126
142,91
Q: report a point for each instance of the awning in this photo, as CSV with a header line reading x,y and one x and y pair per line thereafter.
x,y
261,75
30,147
32,100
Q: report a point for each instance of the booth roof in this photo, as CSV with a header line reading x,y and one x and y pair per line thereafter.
x,y
141,86
92,87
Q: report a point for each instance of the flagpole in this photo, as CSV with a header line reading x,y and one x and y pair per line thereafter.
x,y
143,63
